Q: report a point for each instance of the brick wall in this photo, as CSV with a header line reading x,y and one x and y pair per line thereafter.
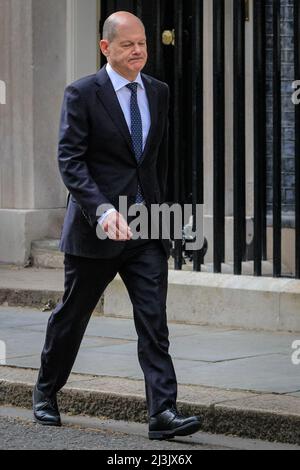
x,y
288,110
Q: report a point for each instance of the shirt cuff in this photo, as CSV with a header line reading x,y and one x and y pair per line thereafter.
x,y
105,214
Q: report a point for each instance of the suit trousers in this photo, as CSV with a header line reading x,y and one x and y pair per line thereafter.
x,y
143,267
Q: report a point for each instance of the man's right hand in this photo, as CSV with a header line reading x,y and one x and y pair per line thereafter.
x,y
116,227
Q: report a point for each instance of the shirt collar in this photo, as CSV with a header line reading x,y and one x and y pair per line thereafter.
x,y
118,81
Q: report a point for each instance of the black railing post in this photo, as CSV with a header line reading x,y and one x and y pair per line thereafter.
x,y
178,107
158,40
259,82
239,136
276,140
197,118
139,8
219,134
297,136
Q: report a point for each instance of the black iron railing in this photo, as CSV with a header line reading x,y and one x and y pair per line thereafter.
x,y
259,83
277,142
197,119
239,136
263,133
219,133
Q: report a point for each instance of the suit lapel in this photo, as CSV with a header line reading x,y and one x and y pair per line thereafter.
x,y
153,107
109,99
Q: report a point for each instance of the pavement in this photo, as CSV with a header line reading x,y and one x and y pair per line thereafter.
x,y
242,383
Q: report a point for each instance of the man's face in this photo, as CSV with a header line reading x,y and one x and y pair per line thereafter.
x,y
127,53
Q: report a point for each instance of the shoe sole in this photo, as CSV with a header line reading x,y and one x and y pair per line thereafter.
x,y
185,430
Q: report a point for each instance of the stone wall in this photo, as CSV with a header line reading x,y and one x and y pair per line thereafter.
x,y
44,45
33,67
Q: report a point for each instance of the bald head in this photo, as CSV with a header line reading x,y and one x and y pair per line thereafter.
x,y
116,21
124,44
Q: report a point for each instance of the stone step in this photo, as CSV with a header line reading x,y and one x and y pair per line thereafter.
x,y
223,300
46,254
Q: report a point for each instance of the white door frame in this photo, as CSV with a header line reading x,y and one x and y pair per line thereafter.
x,y
82,38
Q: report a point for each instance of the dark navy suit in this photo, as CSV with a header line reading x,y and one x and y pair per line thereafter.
x,y
98,164
97,161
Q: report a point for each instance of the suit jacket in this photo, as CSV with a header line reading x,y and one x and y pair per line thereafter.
x,y
97,161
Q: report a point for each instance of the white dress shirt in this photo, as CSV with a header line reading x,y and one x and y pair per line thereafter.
x,y
124,96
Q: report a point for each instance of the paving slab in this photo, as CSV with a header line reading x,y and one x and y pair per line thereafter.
x,y
31,278
270,373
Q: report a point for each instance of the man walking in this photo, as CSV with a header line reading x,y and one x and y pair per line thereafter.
x,y
113,142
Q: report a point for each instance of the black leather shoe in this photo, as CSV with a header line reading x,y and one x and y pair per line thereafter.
x,y
170,423
45,409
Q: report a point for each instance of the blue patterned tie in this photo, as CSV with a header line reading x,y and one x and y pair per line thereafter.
x,y
136,131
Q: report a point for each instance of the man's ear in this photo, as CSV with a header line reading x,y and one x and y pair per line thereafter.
x,y
104,47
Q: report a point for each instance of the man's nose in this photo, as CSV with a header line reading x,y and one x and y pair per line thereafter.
x,y
137,49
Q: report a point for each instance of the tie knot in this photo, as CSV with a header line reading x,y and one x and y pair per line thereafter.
x,y
132,87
